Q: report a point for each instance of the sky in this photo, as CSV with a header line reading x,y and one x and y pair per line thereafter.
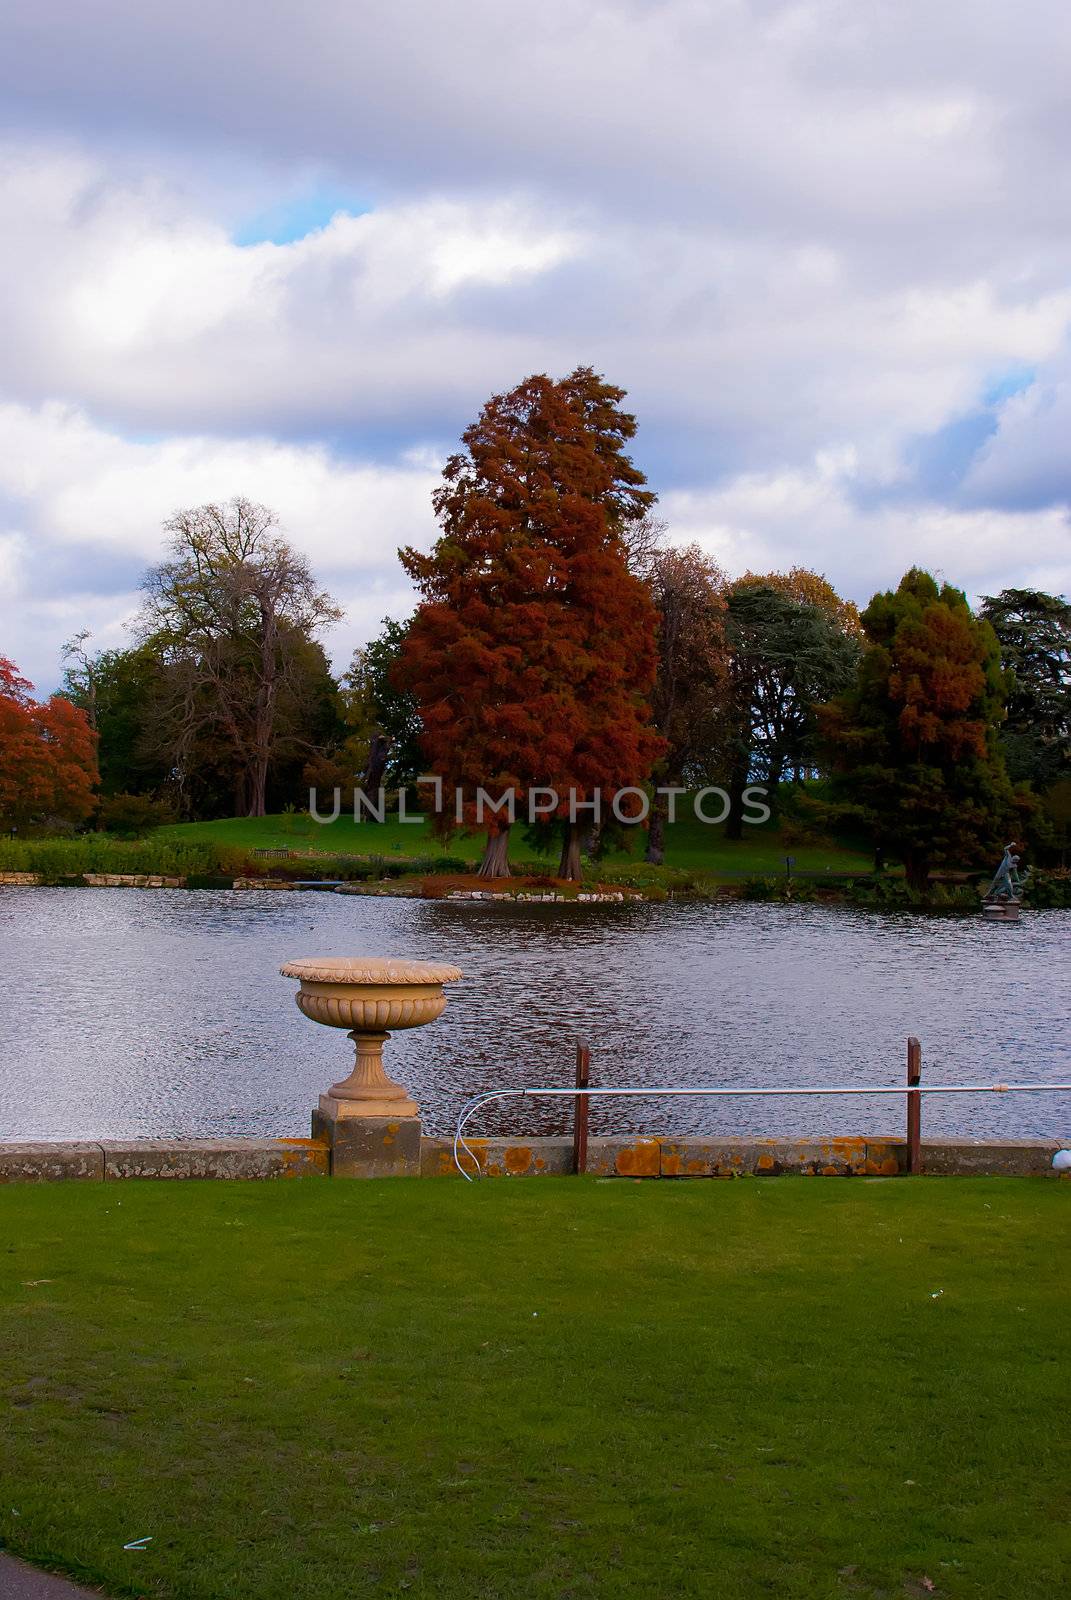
x,y
287,250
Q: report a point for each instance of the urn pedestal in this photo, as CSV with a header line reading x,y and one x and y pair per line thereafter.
x,y
371,1123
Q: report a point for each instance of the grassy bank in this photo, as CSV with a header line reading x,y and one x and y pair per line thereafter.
x,y
701,863
690,844
560,1387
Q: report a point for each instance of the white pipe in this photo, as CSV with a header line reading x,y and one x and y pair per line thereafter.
x,y
473,1105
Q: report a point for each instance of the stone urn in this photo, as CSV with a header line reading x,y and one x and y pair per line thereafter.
x,y
370,997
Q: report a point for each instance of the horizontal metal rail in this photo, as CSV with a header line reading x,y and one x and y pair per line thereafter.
x,y
470,1107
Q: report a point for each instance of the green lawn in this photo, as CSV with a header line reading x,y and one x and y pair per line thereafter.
x,y
690,843
553,1388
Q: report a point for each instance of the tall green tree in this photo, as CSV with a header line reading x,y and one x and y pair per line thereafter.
x,y
377,739
913,744
1034,632
388,715
791,648
118,690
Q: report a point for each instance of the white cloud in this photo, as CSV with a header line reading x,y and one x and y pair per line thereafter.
x,y
125,297
761,522
807,236
83,485
90,504
1026,462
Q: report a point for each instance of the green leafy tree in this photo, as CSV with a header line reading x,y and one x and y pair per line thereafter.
x,y
913,743
117,690
1034,631
791,649
390,714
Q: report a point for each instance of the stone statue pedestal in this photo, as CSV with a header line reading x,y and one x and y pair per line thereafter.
x,y
363,1146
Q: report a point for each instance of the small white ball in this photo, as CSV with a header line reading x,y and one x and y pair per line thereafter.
x,y
1062,1161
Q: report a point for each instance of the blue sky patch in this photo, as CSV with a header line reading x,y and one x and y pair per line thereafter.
x,y
295,218
1014,381
940,460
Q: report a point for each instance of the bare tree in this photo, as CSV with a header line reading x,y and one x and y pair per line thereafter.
x,y
81,673
686,587
643,538
233,614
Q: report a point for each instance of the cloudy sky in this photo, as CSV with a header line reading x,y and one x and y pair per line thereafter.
x,y
286,250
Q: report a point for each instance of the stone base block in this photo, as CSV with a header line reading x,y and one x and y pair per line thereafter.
x,y
46,1163
727,1158
885,1157
635,1157
367,1147
988,1158
500,1158
214,1158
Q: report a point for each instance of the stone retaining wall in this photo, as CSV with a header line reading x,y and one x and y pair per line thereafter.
x,y
550,896
102,880
631,1157
664,1157
42,1162
132,880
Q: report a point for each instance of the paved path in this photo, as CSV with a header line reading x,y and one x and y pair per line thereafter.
x,y
20,1582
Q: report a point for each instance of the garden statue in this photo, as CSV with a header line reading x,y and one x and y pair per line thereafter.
x,y
1004,896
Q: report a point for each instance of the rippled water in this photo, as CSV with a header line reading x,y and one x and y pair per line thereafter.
x,y
160,1013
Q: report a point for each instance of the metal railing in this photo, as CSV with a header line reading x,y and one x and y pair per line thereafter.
x,y
581,1092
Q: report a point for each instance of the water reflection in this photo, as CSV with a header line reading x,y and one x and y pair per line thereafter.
x,y
161,1013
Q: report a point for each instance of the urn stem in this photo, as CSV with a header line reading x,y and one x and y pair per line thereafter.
x,y
368,1080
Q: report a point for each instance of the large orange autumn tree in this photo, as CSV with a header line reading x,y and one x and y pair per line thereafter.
x,y
48,761
533,649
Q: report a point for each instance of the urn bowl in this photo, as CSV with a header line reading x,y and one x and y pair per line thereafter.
x,y
370,997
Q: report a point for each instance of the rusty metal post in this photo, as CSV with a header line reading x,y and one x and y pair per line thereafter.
x,y
580,1109
914,1107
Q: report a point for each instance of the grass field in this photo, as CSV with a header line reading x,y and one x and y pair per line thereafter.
x,y
689,843
554,1388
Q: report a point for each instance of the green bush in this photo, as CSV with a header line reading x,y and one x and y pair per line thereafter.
x,y
887,893
132,816
760,889
1049,889
59,859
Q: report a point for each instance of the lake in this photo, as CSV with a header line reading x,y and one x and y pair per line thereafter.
x,y
160,1013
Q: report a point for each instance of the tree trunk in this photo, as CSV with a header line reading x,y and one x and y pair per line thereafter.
x,y
569,865
258,787
734,825
378,752
656,834
917,872
495,863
